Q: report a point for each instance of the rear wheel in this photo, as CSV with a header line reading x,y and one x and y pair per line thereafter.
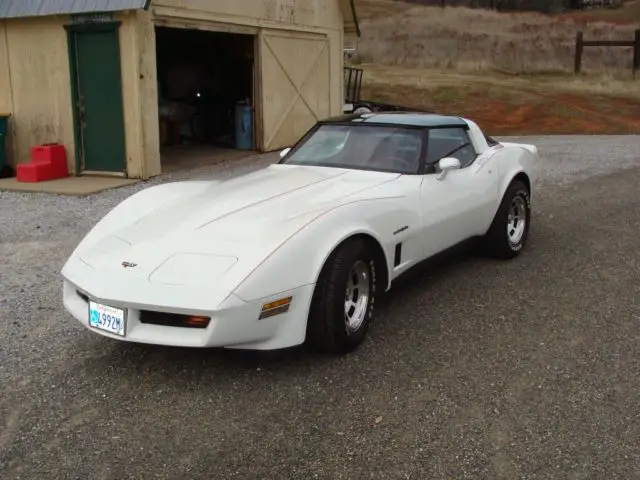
x,y
343,300
509,231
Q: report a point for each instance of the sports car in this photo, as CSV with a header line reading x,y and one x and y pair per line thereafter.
x,y
299,251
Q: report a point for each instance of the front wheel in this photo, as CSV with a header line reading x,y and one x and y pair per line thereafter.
x,y
509,231
343,299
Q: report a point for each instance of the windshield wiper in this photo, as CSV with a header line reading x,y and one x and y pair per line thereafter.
x,y
456,149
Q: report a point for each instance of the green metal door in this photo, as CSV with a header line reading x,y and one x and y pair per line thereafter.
x,y
97,94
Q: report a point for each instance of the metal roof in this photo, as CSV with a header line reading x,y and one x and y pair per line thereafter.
x,y
38,8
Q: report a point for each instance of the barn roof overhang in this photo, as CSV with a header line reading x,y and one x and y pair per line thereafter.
x,y
350,15
40,8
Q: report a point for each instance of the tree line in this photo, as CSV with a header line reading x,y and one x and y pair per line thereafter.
x,y
545,6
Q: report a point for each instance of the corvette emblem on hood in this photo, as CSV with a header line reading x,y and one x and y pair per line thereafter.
x,y
129,264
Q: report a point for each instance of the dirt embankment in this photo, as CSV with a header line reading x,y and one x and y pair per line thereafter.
x,y
505,104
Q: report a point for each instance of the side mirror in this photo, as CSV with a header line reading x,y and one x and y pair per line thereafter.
x,y
446,164
284,152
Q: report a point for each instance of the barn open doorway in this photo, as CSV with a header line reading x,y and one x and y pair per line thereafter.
x,y
206,96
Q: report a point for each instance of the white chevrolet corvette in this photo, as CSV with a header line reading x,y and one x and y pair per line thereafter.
x,y
300,250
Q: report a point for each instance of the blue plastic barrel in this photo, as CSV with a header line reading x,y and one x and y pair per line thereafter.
x,y
244,126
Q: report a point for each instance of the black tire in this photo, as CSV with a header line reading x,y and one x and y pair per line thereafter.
x,y
497,241
327,327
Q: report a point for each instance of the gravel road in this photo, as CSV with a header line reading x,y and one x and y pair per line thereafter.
x,y
475,369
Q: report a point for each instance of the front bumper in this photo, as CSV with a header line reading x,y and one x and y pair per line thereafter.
x,y
234,323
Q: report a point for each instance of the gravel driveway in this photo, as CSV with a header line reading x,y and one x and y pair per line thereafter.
x,y
475,369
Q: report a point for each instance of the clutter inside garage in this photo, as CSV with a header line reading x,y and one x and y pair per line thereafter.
x,y
205,89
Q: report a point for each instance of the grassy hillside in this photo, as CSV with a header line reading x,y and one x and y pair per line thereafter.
x,y
629,13
510,105
472,40
512,72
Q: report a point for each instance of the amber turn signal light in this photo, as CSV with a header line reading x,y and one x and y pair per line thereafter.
x,y
275,308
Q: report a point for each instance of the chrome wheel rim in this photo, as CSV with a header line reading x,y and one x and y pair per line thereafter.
x,y
517,220
356,301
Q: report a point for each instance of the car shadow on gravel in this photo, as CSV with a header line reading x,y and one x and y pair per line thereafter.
x,y
176,362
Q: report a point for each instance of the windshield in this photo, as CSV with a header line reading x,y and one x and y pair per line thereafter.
x,y
367,147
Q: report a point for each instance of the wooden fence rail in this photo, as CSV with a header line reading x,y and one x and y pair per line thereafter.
x,y
581,43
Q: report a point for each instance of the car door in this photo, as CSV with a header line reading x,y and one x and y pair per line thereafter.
x,y
461,204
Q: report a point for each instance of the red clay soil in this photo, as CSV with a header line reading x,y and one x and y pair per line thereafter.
x,y
539,114
561,114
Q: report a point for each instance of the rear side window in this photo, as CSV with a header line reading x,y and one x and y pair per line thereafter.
x,y
450,142
492,142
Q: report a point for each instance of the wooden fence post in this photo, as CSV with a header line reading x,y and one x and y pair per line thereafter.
x,y
578,58
636,52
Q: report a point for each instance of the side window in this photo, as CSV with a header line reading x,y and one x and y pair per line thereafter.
x,y
450,142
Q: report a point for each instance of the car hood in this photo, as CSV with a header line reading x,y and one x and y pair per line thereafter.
x,y
244,218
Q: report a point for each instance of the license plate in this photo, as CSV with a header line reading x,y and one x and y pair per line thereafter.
x,y
109,319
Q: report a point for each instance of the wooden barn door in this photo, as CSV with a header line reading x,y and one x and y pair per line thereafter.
x,y
295,85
